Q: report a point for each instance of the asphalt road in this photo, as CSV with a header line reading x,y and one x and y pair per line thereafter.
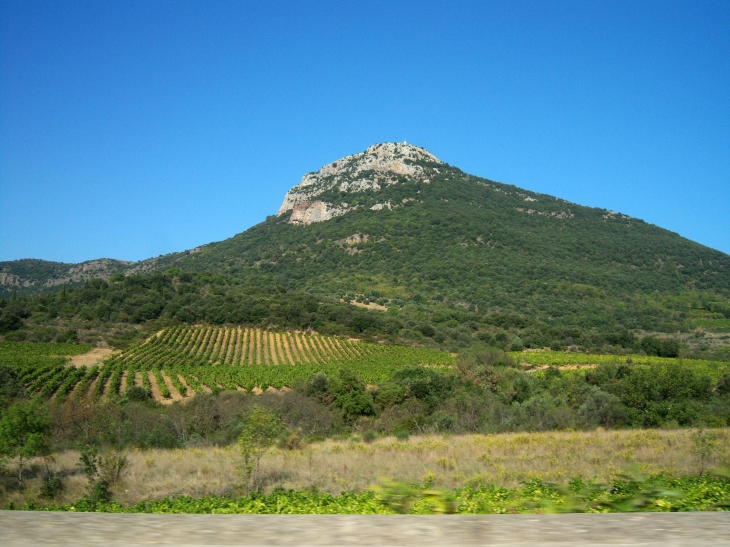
x,y
28,528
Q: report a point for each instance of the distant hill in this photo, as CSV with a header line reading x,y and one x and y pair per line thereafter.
x,y
32,276
397,229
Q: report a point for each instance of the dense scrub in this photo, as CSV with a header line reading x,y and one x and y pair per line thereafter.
x,y
125,309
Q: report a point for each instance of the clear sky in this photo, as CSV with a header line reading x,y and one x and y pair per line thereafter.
x,y
132,129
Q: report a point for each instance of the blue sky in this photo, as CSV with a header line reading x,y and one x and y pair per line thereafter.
x,y
133,129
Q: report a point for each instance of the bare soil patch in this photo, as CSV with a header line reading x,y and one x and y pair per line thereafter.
x,y
174,393
92,357
371,305
562,367
156,390
190,391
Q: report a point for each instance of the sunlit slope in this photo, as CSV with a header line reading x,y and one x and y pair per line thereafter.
x,y
478,243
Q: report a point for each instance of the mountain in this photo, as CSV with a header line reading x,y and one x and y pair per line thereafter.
x,y
396,228
398,223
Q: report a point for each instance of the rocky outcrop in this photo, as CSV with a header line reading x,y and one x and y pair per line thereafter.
x,y
379,166
305,212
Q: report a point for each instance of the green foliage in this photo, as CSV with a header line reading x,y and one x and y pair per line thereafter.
x,y
658,493
10,385
350,395
261,428
102,472
51,486
661,348
24,430
704,445
137,393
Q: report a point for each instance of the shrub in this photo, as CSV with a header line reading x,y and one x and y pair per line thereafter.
x,y
51,486
351,396
137,393
369,436
601,408
10,385
389,395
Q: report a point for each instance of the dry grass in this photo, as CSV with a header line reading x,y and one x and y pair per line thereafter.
x,y
334,466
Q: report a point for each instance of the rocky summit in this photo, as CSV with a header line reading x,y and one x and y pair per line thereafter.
x,y
378,167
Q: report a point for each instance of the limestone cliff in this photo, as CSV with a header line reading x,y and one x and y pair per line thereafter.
x,y
381,165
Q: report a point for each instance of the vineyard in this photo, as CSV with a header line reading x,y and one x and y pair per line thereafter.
x,y
181,361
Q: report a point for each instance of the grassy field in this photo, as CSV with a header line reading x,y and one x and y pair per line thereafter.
x,y
334,466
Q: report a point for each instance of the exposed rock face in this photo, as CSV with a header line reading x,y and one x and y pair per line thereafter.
x,y
306,213
378,167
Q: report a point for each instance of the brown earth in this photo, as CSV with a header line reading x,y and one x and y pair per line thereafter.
x,y
156,390
92,357
190,391
174,393
371,305
562,367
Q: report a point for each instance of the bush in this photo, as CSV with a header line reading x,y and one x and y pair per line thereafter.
x,y
52,486
601,408
668,347
402,435
389,395
10,385
351,396
369,436
137,393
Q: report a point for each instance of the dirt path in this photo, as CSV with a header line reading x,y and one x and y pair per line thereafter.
x,y
174,393
273,357
156,395
265,342
257,344
286,348
311,349
292,343
249,347
92,357
190,390
304,349
232,344
562,367
123,383
92,384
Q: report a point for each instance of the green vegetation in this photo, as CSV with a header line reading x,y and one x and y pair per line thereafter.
x,y
465,259
35,354
362,332
657,493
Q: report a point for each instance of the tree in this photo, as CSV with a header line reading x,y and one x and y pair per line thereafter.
x,y
260,430
10,385
24,429
351,396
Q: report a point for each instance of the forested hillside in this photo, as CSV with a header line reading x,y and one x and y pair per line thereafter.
x,y
444,256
